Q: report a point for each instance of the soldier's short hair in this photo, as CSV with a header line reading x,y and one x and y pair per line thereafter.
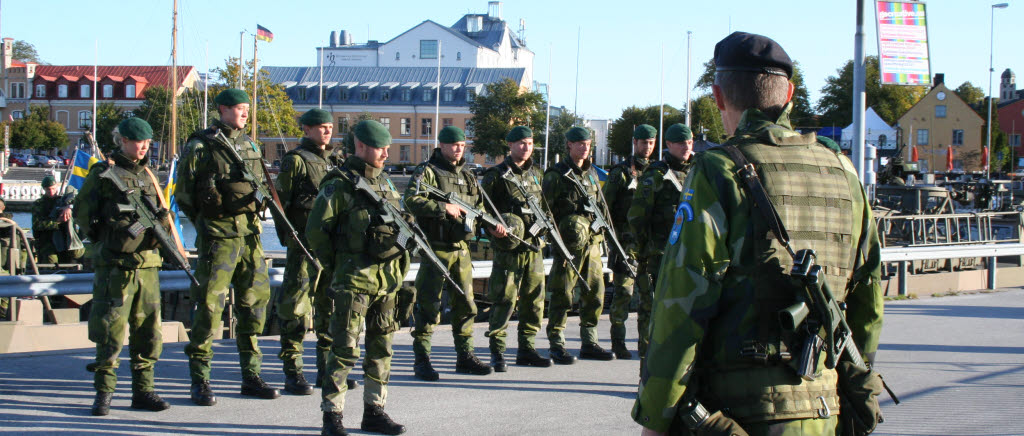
x,y
749,90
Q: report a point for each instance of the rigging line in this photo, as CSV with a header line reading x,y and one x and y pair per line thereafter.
x,y
273,115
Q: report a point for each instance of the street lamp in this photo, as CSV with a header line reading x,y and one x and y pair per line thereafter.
x,y
991,40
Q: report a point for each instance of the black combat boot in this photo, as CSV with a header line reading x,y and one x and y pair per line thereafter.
x,y
467,363
101,406
351,383
619,348
595,352
561,356
333,425
254,386
296,384
423,370
530,357
498,362
149,400
375,420
202,394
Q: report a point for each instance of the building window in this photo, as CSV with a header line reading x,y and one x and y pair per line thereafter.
x,y
64,118
489,160
403,153
344,94
922,136
469,128
449,94
17,90
40,91
129,91
940,111
62,91
406,126
406,94
18,115
84,91
398,57
302,93
342,124
84,119
364,95
425,129
958,137
458,55
470,95
280,151
428,49
428,94
385,95
1015,140
423,153
108,91
445,122
386,122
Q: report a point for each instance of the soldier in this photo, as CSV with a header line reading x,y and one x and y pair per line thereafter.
x,y
715,320
568,205
222,205
517,276
618,191
651,215
49,214
302,169
126,287
350,231
447,231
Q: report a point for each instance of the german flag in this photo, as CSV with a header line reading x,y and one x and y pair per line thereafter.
x,y
264,34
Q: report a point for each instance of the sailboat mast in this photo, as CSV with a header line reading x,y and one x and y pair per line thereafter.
x,y
174,85
255,71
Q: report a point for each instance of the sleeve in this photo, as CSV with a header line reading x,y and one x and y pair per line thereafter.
x,y
491,184
41,217
864,300
639,215
87,209
419,205
293,171
185,187
685,300
326,216
613,188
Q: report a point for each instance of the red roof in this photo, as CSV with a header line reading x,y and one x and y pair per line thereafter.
x,y
154,75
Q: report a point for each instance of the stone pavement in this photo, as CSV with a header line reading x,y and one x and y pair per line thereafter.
x,y
956,362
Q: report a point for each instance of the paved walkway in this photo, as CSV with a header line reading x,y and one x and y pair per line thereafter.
x,y
957,363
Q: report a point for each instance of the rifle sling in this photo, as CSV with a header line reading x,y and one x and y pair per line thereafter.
x,y
752,182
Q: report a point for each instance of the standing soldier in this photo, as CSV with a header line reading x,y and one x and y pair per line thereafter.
x,y
561,187
352,231
447,231
618,191
49,214
517,277
719,357
223,206
126,287
650,217
302,169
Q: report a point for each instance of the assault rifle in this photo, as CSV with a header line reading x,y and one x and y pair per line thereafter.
x,y
407,231
601,223
265,195
472,213
148,216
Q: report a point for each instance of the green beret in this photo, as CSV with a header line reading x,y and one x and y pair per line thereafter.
x,y
645,131
135,129
678,132
372,133
231,97
316,117
49,181
518,133
451,135
828,142
577,134
742,51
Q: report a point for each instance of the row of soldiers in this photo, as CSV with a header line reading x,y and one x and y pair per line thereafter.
x,y
350,215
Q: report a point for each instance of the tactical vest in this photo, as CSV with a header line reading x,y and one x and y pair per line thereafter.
x,y
817,215
586,179
305,191
215,169
446,230
115,229
666,200
631,169
367,230
515,188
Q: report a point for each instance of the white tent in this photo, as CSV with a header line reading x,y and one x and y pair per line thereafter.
x,y
876,132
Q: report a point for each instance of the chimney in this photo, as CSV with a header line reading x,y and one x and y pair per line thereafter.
x,y
940,79
494,10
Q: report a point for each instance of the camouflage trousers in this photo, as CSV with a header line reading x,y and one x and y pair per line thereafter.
x,y
294,305
563,282
125,298
353,311
236,262
47,256
795,427
429,284
622,296
517,281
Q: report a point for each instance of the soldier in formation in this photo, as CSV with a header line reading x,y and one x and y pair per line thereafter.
x,y
51,214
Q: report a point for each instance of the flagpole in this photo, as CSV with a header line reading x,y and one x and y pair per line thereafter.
x,y
255,70
437,100
661,112
547,122
688,34
576,97
206,87
321,104
241,66
95,72
174,85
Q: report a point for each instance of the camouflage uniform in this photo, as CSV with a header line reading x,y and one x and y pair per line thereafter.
x,y
568,207
724,279
650,218
618,191
44,226
447,238
222,206
346,231
126,287
517,275
302,170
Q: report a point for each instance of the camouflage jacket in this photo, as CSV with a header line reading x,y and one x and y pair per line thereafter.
x,y
430,213
619,189
654,204
302,170
568,204
705,305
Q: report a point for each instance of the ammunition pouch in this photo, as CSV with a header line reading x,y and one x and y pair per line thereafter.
x,y
382,321
209,200
125,234
237,197
382,242
859,389
406,300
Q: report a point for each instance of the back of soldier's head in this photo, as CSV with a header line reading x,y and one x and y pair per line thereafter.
x,y
753,72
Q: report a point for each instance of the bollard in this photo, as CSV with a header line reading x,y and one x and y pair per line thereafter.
x,y
902,286
992,273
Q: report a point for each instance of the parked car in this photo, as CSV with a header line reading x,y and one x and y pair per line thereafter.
x,y
43,160
18,160
395,169
30,160
476,168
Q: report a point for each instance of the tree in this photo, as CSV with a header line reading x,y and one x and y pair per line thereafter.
x,y
890,101
999,156
275,115
503,106
108,116
970,94
707,119
560,123
156,109
25,52
802,114
36,131
620,136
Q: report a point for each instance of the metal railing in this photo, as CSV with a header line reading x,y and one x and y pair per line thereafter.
x,y
949,229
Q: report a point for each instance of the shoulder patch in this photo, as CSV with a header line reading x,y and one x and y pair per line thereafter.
x,y
684,213
648,181
287,165
329,190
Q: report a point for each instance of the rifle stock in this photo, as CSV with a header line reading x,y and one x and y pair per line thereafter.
x,y
472,213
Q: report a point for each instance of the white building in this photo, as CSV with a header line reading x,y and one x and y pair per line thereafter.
x,y
602,154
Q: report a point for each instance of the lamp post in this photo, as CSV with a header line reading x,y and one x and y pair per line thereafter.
x,y
991,45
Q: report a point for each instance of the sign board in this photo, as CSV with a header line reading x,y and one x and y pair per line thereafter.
x,y
903,55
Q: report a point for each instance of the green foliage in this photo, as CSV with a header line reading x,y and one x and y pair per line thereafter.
x,y
970,94
890,101
156,109
620,136
1000,142
497,110
36,131
707,119
275,115
25,52
802,114
107,117
561,123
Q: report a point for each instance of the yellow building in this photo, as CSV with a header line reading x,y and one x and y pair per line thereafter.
x,y
940,120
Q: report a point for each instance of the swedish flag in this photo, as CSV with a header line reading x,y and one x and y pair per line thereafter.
x,y
83,161
172,205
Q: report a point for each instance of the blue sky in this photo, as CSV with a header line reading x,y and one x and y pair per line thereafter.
x,y
620,50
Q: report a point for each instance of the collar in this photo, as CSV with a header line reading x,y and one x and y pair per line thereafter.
x,y
437,159
675,163
308,145
125,162
576,169
228,130
516,169
357,164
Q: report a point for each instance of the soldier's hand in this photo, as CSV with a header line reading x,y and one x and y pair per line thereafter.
x,y
454,210
65,215
500,231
